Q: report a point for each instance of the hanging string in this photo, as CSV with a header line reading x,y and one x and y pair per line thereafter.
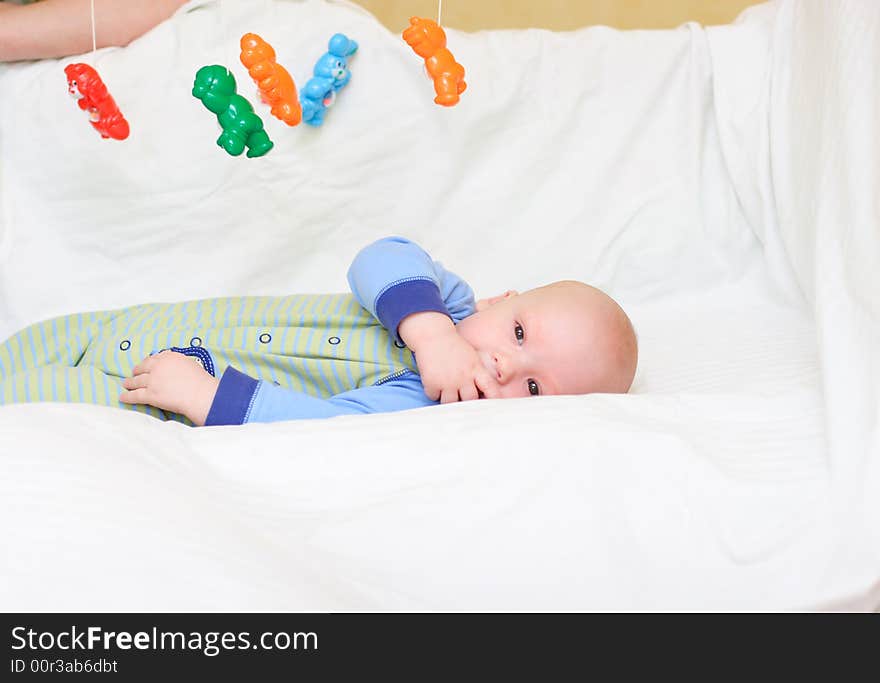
x,y
94,41
439,12
221,15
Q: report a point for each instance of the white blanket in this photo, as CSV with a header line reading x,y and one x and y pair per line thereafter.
x,y
720,183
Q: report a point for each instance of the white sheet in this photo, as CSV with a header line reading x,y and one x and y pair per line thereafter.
x,y
663,166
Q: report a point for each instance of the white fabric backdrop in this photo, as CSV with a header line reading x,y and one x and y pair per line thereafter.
x,y
662,166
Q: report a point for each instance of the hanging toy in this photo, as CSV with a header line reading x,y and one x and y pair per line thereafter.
x,y
84,83
277,88
428,40
215,87
331,75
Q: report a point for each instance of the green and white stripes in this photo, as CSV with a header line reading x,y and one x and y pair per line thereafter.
x,y
318,344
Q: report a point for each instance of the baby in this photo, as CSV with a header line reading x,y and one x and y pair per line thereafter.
x,y
410,335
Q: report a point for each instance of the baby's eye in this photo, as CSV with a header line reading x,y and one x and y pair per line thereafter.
x,y
533,388
519,333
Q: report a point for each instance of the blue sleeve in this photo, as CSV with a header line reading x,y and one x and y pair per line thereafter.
x,y
241,399
394,277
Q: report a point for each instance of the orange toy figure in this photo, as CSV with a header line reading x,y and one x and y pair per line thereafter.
x,y
275,83
84,83
428,40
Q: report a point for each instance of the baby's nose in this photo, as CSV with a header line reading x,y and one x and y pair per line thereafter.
x,y
502,372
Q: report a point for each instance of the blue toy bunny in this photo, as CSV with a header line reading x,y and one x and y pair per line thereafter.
x,y
331,74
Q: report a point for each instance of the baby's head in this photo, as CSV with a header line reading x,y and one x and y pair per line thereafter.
x,y
563,338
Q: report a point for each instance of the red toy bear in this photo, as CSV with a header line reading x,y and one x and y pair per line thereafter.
x,y
84,83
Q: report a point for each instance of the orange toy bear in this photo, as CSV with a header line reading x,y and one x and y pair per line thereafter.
x,y
84,83
428,40
277,88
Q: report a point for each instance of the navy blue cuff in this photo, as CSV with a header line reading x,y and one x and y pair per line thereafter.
x,y
406,298
233,399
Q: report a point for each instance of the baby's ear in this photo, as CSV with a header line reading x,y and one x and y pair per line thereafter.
x,y
483,304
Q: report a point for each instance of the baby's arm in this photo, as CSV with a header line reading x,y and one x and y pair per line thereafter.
x,y
174,382
242,399
419,301
58,28
394,277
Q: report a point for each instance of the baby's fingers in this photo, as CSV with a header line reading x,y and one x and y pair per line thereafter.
x,y
449,396
432,392
143,366
134,396
139,381
487,385
468,392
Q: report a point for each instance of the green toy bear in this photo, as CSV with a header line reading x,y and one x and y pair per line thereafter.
x,y
215,87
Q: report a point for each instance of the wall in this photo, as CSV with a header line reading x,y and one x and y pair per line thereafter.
x,y
472,15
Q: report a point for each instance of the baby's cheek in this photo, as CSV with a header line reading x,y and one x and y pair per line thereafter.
x,y
512,390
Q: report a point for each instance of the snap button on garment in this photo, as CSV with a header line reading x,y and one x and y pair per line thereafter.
x,y
334,340
265,338
399,345
195,341
125,345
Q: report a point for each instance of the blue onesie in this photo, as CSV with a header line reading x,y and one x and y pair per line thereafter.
x,y
279,358
391,278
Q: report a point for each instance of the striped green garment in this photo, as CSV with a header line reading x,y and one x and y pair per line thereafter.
x,y
318,344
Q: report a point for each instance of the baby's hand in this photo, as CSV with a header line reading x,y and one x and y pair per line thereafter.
x,y
449,366
174,382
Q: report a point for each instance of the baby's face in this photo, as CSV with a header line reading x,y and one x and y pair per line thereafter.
x,y
565,338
